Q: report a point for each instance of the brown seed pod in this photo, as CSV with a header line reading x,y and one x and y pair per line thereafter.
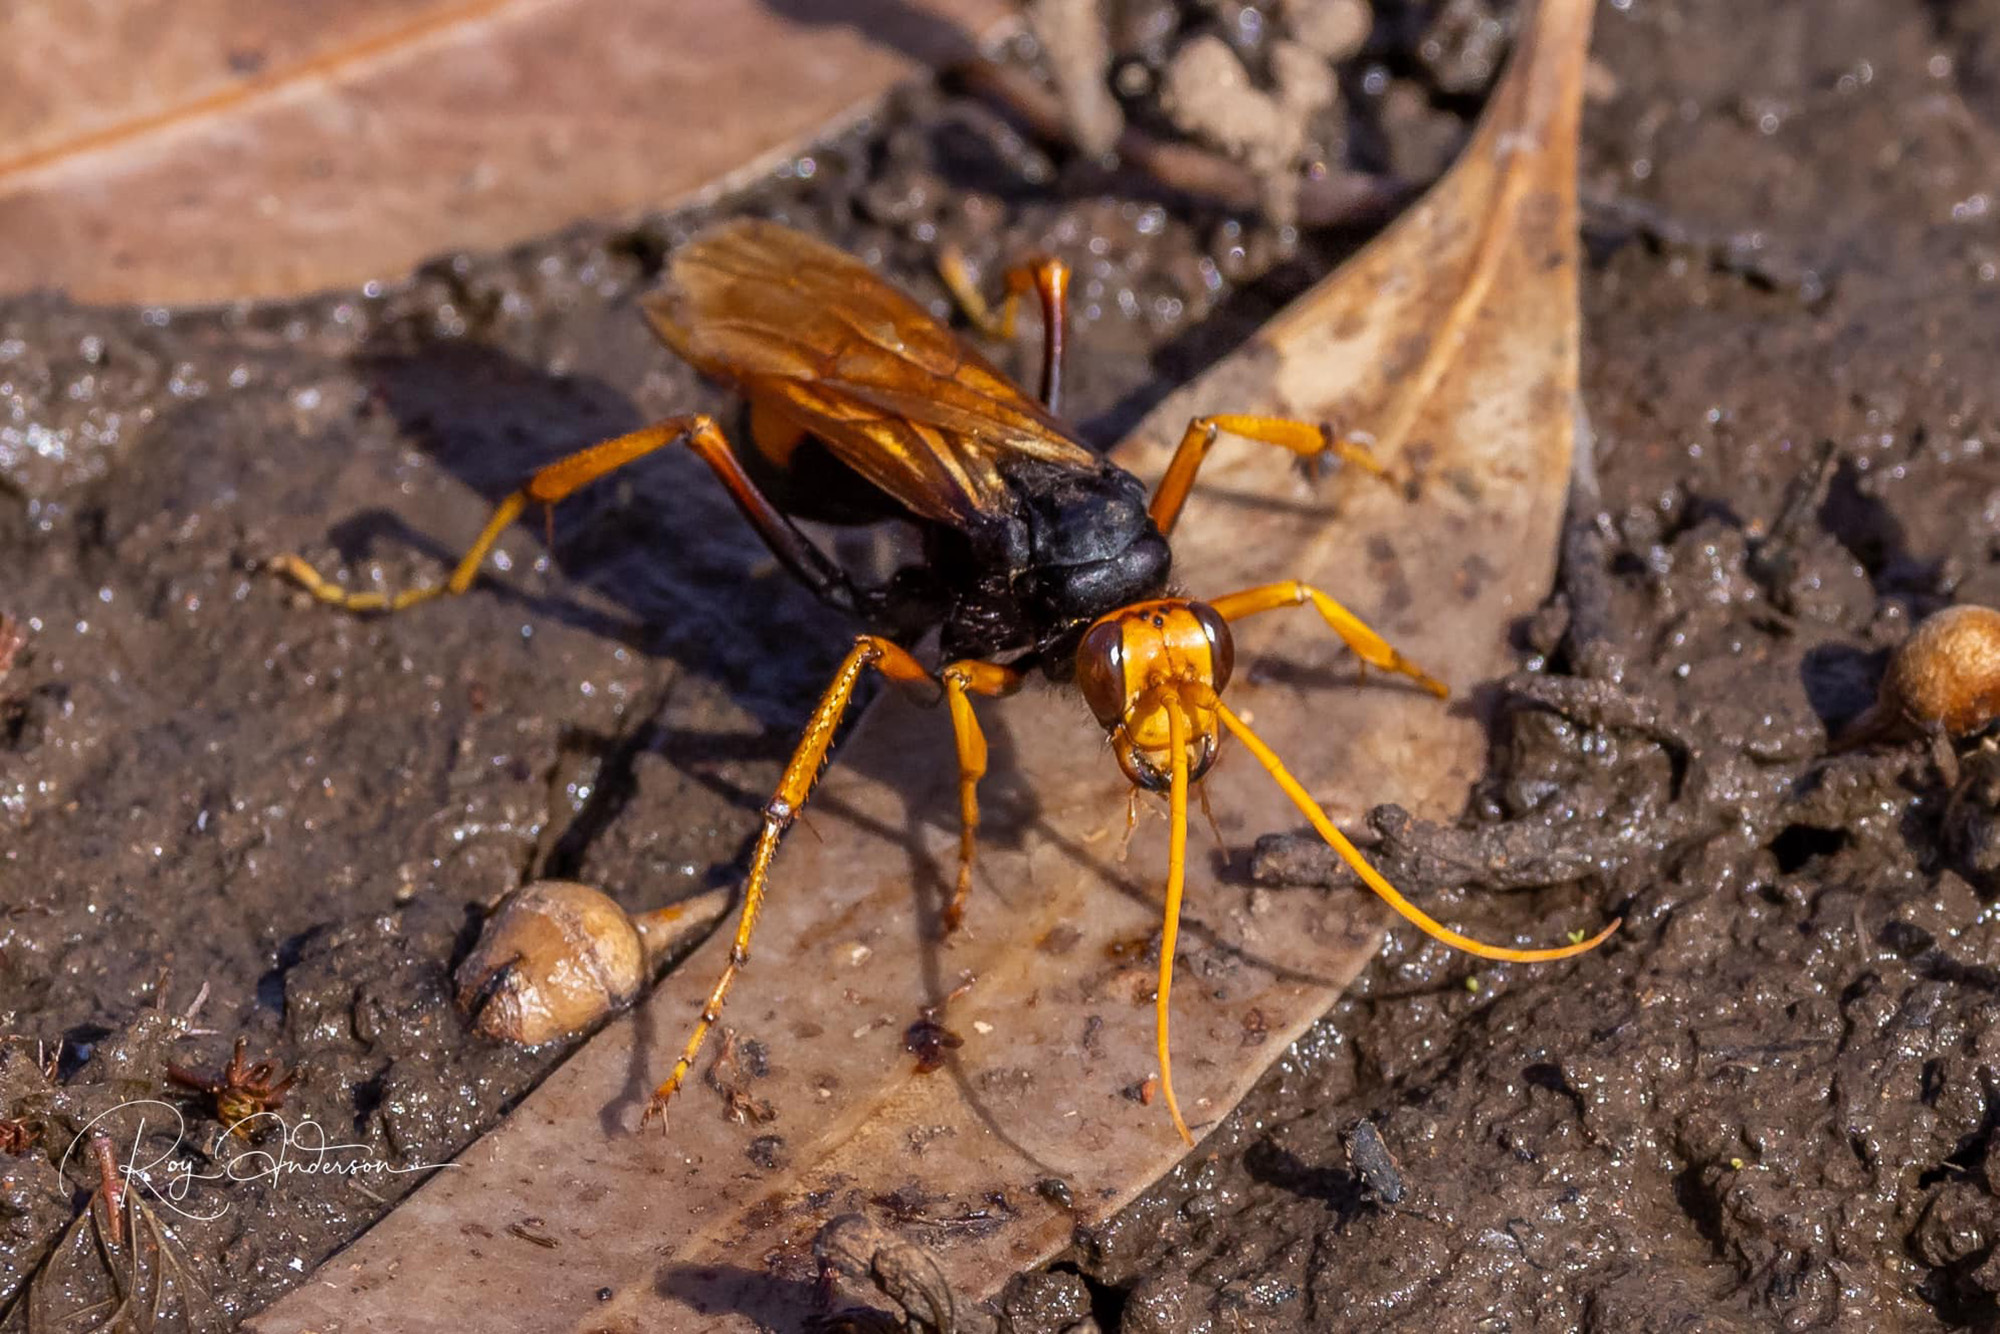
x,y
1946,676
557,956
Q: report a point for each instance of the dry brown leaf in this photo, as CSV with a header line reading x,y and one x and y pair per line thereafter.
x,y
1455,338
207,150
80,74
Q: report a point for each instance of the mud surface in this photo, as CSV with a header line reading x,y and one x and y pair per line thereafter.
x,y
230,814
1769,1104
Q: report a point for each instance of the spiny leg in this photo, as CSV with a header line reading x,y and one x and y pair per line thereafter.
x,y
1177,736
961,681
794,787
1368,646
1302,438
559,479
1048,278
1373,878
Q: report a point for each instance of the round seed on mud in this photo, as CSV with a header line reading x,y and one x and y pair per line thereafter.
x,y
1946,675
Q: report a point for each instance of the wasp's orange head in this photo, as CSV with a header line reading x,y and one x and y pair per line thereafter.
x,y
1131,663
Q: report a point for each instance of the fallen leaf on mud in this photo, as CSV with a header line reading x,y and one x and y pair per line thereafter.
x,y
210,150
1455,339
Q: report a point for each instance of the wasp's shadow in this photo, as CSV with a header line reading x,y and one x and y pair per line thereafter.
x,y
653,555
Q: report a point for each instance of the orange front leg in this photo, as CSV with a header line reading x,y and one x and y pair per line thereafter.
x,y
802,774
1369,646
1302,438
961,681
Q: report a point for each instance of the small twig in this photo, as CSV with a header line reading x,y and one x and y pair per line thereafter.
x,y
1583,569
1078,49
12,637
111,1183
1744,254
194,1006
1342,198
1775,559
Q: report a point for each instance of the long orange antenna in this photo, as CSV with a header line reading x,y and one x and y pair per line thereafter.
x,y
1373,878
1177,737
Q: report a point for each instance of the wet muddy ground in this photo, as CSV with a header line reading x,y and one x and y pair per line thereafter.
x,y
1769,1104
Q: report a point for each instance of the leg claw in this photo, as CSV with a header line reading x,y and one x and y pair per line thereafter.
x,y
656,1106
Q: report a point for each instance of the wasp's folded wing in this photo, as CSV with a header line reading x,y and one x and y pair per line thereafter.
x,y
816,335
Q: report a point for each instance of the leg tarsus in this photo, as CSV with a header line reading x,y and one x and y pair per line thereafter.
x,y
296,569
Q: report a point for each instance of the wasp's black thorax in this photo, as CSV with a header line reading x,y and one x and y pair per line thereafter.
x,y
1079,544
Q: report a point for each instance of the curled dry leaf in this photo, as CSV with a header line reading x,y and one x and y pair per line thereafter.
x,y
1454,339
210,150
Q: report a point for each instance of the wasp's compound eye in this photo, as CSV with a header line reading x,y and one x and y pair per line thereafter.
x,y
1221,644
1100,671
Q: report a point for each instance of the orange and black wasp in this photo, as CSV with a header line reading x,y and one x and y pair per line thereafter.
x,y
1038,555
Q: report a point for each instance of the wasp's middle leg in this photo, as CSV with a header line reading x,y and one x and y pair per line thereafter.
x,y
566,475
961,681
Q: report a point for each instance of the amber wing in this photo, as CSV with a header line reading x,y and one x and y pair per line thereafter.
x,y
814,335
